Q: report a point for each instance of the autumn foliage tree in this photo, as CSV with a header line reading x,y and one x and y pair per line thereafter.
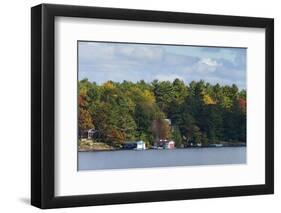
x,y
199,112
161,129
85,118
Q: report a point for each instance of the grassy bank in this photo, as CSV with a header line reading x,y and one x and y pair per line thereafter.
x,y
89,145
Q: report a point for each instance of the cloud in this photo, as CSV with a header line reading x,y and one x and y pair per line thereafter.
x,y
101,61
207,65
209,62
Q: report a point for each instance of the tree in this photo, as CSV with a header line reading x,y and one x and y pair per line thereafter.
x,y
194,135
85,119
161,129
235,123
242,104
204,140
143,118
180,92
199,112
164,94
208,100
211,122
176,136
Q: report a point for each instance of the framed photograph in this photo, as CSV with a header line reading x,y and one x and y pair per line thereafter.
x,y
136,106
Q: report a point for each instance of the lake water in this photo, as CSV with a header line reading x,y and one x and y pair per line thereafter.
x,y
124,159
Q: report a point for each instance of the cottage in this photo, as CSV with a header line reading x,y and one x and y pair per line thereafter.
x,y
136,145
170,145
164,144
91,133
140,145
87,133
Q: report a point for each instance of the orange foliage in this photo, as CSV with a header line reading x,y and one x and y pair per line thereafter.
x,y
117,136
82,99
242,104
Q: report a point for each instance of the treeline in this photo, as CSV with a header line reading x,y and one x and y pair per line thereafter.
x,y
195,113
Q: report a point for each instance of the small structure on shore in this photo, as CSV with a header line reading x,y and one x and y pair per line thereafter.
x,y
164,144
136,145
170,145
87,133
91,133
140,145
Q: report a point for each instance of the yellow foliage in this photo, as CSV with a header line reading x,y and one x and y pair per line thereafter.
x,y
148,96
85,119
208,100
108,85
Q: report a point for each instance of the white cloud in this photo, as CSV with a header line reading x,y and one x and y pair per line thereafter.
x,y
209,62
207,65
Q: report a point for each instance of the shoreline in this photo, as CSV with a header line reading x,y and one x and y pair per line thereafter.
x,y
203,147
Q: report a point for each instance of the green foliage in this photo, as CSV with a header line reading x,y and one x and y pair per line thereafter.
x,y
194,135
176,136
204,139
200,113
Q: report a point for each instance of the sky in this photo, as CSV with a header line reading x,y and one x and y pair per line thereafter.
x,y
103,61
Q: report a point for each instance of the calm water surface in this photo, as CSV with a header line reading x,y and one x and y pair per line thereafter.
x,y
160,158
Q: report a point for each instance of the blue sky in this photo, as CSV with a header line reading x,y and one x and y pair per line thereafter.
x,y
103,61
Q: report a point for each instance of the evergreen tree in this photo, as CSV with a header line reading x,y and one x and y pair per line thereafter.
x,y
176,136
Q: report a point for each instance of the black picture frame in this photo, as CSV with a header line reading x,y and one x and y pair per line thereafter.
x,y
43,117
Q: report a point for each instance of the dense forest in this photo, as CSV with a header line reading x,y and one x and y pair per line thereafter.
x,y
197,112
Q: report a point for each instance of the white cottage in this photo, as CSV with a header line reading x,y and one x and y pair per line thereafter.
x,y
91,133
140,145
